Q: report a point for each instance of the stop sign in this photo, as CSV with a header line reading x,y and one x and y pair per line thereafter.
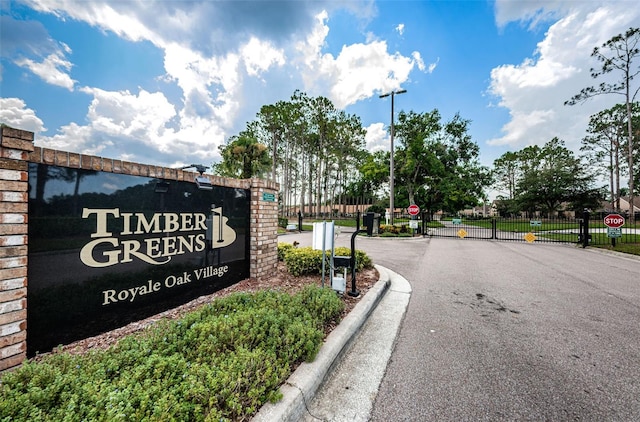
x,y
413,209
614,221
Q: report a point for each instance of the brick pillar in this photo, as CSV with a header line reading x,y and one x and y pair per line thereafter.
x,y
15,146
264,228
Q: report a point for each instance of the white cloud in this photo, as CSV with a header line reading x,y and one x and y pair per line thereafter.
x,y
215,53
15,113
209,85
144,119
27,44
100,14
136,127
521,127
377,138
259,56
533,12
417,58
400,29
535,90
211,27
141,116
311,47
433,65
73,137
116,119
51,70
358,72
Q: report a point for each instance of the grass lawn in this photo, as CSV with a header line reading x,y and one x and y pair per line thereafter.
x,y
630,248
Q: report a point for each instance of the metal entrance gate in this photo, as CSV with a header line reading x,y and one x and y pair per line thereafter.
x,y
589,230
514,229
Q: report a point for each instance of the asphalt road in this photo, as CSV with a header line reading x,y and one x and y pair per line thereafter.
x,y
510,331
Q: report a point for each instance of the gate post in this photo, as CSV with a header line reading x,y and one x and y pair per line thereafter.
x,y
585,225
494,228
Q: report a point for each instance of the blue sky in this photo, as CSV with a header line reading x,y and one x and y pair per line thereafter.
x,y
166,82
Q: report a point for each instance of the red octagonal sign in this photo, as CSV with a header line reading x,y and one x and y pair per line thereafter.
x,y
614,221
413,209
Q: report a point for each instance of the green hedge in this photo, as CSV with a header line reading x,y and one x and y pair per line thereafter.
x,y
306,260
393,229
283,249
222,362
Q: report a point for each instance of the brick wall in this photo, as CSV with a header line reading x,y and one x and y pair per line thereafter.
x,y
15,146
17,150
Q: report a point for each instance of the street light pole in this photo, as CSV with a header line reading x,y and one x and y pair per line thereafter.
x,y
391,176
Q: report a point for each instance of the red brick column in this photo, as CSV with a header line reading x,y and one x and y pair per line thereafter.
x,y
264,228
15,146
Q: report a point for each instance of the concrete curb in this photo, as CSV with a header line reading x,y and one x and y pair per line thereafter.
x,y
612,253
303,384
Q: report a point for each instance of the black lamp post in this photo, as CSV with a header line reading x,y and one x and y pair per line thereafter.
x,y
391,176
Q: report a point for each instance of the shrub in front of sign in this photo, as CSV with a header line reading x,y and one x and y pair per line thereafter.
x,y
301,261
388,228
283,249
362,259
306,260
222,362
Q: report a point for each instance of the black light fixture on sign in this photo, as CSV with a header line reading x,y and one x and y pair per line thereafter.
x,y
202,182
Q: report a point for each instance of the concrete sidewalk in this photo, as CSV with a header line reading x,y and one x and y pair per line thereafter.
x,y
342,382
